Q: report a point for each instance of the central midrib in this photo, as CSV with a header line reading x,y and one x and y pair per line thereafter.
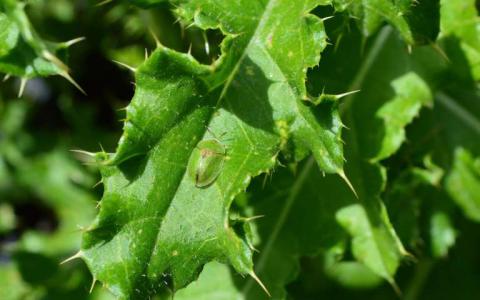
x,y
227,85
260,25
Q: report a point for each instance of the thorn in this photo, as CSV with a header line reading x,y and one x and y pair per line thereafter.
x,y
409,256
264,183
190,50
91,154
440,51
125,66
73,82
253,248
55,60
340,96
79,254
85,156
395,287
74,41
103,3
7,76
97,184
327,18
146,54
177,21
93,281
249,219
341,173
23,83
155,38
101,147
329,97
260,283
409,49
207,46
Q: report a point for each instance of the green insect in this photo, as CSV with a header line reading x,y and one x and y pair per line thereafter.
x,y
207,162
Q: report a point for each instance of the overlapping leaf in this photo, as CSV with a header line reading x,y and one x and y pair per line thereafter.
x,y
374,133
460,29
417,21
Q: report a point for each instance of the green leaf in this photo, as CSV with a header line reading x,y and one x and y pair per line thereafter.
x,y
374,241
376,246
352,274
290,219
214,283
295,227
298,221
460,26
9,34
442,233
417,22
463,183
411,94
415,195
23,53
156,229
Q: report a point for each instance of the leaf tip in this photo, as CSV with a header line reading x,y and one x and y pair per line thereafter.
x,y
74,41
55,60
73,82
132,69
23,83
156,39
79,254
441,52
94,280
91,154
340,96
327,18
260,283
395,287
252,218
342,175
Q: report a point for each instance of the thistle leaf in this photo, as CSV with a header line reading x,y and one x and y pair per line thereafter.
x,y
156,228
